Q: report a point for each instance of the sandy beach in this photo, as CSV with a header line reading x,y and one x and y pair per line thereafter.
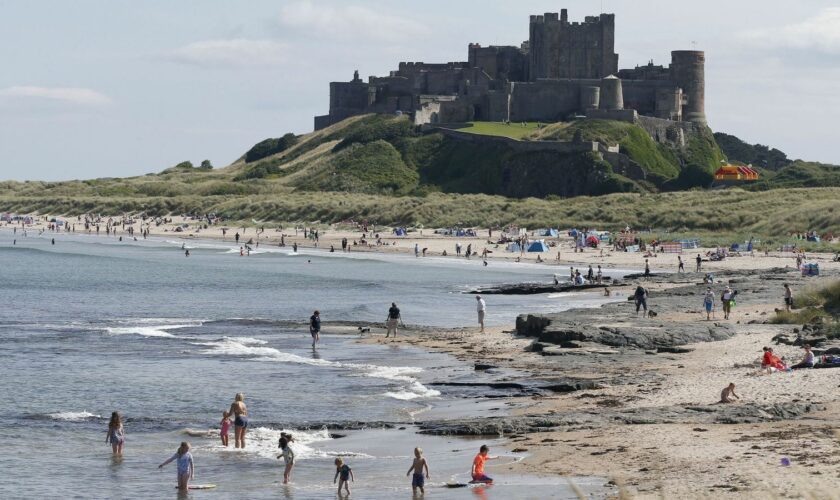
x,y
561,252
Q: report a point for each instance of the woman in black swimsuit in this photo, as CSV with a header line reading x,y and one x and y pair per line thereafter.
x,y
240,421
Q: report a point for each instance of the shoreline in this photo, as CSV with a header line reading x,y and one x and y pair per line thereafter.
x,y
652,394
436,244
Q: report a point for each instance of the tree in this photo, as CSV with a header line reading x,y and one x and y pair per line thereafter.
x,y
206,165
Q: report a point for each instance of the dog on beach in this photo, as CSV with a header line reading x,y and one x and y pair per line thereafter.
x,y
651,313
363,330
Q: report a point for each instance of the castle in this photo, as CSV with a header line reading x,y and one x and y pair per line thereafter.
x,y
564,69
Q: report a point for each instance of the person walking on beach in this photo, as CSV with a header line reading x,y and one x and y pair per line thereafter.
x,y
481,307
709,303
680,265
392,320
345,474
640,297
116,434
236,237
788,298
647,269
240,420
699,262
186,467
726,299
469,250
315,327
418,480
416,250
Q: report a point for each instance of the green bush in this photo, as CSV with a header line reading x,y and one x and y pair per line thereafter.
x,y
377,128
270,147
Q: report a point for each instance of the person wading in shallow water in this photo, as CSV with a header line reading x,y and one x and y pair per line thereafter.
x,y
240,420
315,328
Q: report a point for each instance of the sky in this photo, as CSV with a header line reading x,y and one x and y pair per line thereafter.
x,y
113,88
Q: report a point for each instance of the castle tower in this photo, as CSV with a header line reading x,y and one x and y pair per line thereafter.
x,y
688,71
612,94
558,49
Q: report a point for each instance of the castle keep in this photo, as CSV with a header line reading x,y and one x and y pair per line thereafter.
x,y
564,69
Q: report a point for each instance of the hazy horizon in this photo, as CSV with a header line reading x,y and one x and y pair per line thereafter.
x,y
96,88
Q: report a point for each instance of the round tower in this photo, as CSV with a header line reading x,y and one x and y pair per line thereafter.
x,y
612,95
590,97
688,71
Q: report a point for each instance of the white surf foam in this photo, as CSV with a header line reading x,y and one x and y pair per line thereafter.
x,y
262,442
412,389
73,416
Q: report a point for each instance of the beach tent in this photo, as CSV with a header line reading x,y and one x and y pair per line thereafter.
x,y
460,232
810,269
593,241
736,173
538,246
573,233
671,247
690,244
400,231
551,233
513,247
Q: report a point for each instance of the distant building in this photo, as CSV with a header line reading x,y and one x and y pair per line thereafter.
x,y
564,69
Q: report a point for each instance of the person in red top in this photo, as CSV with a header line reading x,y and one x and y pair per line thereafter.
x,y
770,360
478,465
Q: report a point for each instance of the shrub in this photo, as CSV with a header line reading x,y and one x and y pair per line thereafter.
x,y
270,147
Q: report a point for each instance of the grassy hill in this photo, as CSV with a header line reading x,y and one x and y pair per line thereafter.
x,y
382,168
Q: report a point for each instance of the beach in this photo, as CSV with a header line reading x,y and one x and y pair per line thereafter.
x,y
641,418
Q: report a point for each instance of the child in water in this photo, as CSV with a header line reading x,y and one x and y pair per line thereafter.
x,y
288,455
225,424
116,434
478,475
345,473
418,480
186,469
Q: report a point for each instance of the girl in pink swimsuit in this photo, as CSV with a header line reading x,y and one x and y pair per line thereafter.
x,y
225,427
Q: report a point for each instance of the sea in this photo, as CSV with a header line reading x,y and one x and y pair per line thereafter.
x,y
90,325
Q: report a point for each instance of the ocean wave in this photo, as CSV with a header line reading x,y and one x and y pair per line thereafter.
x,y
146,331
234,346
73,416
263,442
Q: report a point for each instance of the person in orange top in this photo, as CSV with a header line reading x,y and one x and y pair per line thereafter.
x,y
478,465
770,360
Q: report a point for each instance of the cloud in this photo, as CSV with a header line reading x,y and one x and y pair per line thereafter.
x,y
821,32
348,22
236,52
73,95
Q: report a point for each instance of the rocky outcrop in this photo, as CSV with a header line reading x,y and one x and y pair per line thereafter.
x,y
708,414
650,335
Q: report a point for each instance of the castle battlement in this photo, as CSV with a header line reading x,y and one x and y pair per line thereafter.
x,y
561,70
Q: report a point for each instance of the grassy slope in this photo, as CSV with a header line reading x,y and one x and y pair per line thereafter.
x,y
372,165
513,131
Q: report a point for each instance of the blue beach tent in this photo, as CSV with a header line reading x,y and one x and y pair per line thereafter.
x,y
538,246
